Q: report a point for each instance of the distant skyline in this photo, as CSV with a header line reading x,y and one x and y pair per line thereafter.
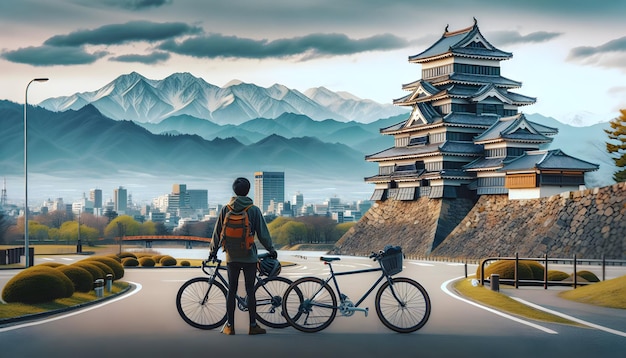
x,y
570,54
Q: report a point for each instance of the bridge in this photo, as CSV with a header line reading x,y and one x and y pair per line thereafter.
x,y
149,239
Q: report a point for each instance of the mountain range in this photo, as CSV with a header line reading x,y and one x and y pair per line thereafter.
x,y
134,97
73,137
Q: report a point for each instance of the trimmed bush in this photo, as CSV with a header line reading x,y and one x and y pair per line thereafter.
x,y
124,254
185,263
80,277
527,270
37,284
555,275
168,261
116,267
114,257
588,276
147,262
157,258
104,267
130,262
95,271
51,264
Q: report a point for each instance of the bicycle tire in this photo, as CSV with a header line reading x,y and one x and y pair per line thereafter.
x,y
202,304
310,304
269,298
407,316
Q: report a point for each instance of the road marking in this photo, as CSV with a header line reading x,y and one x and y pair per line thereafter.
x,y
444,288
421,264
556,313
73,313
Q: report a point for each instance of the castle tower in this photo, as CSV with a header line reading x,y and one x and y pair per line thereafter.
x,y
463,128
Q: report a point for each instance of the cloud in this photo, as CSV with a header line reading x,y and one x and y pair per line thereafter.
x,y
152,58
122,33
584,52
609,55
51,55
307,47
502,38
136,4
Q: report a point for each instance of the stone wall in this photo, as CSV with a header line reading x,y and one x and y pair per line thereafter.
x,y
587,223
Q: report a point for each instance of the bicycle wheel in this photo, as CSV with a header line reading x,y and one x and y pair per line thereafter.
x,y
309,304
202,304
269,298
407,310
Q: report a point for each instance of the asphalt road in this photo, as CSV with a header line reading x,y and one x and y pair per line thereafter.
x,y
145,323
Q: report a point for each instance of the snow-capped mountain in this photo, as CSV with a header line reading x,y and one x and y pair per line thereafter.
x,y
134,97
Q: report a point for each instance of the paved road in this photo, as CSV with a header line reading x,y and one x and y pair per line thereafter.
x,y
145,323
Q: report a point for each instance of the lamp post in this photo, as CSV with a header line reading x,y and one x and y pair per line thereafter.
x,y
79,245
27,262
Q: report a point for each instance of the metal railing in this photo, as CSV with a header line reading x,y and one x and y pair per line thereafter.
x,y
516,281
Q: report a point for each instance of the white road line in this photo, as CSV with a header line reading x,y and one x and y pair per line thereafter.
x,y
444,288
421,264
73,313
556,313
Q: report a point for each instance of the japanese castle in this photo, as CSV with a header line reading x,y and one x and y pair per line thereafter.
x,y
464,136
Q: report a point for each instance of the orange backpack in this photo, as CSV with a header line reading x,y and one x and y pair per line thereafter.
x,y
237,236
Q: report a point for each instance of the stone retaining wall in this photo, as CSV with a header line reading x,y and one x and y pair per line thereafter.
x,y
587,223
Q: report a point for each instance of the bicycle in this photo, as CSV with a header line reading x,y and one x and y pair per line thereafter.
x,y
402,304
201,301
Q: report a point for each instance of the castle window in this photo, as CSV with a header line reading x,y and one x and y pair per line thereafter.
x,y
418,140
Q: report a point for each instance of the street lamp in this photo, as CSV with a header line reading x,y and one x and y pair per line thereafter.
x,y
26,250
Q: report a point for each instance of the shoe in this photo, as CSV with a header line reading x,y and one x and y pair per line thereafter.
x,y
256,329
228,330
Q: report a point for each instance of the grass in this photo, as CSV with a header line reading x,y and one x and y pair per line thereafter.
x,y
12,310
610,293
505,303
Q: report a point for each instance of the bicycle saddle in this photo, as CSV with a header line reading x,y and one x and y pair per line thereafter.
x,y
329,259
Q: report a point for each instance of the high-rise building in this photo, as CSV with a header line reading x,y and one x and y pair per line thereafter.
x,y
268,186
199,199
95,196
297,203
120,200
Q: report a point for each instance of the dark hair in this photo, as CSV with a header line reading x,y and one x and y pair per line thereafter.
x,y
241,186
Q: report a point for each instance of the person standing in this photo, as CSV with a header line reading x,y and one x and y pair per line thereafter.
x,y
238,260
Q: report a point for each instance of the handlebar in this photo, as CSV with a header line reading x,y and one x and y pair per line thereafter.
x,y
206,265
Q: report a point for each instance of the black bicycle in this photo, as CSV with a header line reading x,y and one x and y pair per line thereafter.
x,y
402,304
201,301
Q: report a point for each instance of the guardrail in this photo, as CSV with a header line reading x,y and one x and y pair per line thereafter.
x,y
603,262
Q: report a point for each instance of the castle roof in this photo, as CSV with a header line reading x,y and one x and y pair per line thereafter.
x,y
468,42
516,128
415,151
424,93
452,119
547,160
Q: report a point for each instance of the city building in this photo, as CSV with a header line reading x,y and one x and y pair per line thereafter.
x,y
199,199
120,200
464,136
268,187
95,196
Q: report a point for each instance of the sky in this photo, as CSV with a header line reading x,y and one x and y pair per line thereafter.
x,y
570,54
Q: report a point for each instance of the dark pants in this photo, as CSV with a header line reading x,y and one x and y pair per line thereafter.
x,y
249,274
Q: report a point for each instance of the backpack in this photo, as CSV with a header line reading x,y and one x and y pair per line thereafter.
x,y
237,236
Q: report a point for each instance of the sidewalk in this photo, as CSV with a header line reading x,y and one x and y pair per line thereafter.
x,y
612,318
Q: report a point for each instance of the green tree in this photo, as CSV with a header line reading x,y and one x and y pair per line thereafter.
x,y
290,233
130,227
148,228
69,232
617,146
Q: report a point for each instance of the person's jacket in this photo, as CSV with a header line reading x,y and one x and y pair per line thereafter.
x,y
257,224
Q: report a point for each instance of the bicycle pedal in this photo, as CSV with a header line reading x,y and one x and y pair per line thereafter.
x,y
367,309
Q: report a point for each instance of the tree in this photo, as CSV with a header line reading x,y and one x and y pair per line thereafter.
x,y
129,225
4,226
618,145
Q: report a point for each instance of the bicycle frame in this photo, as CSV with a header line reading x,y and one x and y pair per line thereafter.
x,y
342,297
242,302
